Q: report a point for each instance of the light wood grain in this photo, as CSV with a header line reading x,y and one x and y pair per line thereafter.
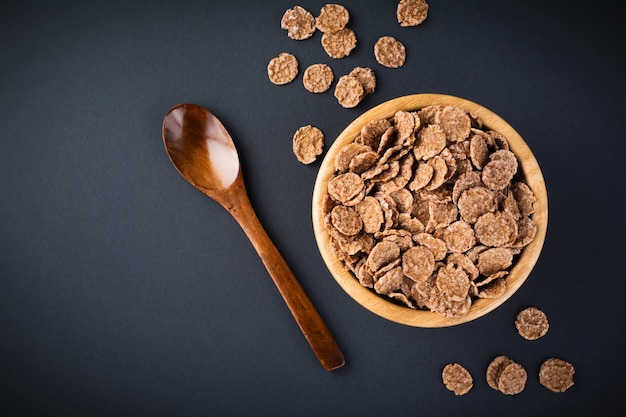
x,y
421,318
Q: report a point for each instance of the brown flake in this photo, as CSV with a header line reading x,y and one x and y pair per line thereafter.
x,y
366,77
282,69
457,379
389,52
339,44
411,12
332,18
298,22
308,143
349,91
556,374
317,78
531,323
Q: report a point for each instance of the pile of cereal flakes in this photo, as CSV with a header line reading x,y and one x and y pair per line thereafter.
x,y
429,209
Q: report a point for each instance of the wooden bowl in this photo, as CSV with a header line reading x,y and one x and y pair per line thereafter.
x,y
383,306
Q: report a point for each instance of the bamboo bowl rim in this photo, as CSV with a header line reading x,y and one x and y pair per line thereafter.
x,y
378,304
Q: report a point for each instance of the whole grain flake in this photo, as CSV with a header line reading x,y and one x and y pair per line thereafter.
x,y
308,143
282,69
411,12
332,18
318,78
298,22
389,52
457,379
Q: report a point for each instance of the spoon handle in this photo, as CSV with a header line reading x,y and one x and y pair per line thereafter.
x,y
307,317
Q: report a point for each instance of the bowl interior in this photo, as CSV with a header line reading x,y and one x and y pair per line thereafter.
x,y
378,304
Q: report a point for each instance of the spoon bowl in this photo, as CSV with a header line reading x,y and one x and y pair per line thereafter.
x,y
203,152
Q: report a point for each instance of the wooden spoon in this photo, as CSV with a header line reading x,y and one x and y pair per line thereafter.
x,y
204,153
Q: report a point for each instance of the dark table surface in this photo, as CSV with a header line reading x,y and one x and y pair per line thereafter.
x,y
124,291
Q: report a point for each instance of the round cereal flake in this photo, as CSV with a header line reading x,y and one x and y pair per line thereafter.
x,y
532,323
308,143
512,379
411,12
389,52
457,379
317,78
339,44
556,375
366,77
298,22
282,69
332,18
349,91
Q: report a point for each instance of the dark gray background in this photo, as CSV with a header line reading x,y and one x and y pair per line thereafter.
x,y
124,291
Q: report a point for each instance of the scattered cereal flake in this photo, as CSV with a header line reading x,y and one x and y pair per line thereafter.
x,y
349,91
454,282
493,260
339,44
411,12
418,263
556,374
332,18
282,69
495,368
495,229
371,214
317,78
298,22
389,52
344,187
459,236
366,77
346,220
455,123
308,143
531,323
512,379
457,379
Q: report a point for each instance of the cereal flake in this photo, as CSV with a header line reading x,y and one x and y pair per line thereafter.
x,y
282,69
308,143
389,52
